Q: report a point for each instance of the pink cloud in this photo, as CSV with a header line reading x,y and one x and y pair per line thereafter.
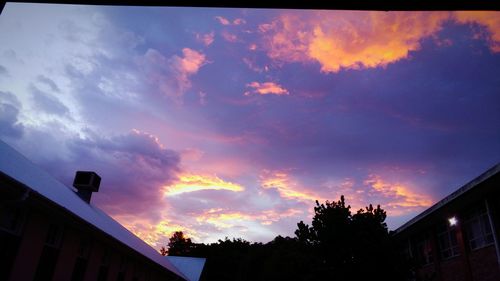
x,y
225,21
229,37
401,198
171,75
207,39
222,20
190,63
396,197
266,88
239,21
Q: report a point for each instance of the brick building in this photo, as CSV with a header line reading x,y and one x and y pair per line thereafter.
x,y
457,238
50,232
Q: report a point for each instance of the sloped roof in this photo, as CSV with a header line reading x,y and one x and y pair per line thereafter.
x,y
15,165
190,267
453,196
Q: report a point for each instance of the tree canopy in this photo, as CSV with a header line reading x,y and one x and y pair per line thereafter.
x,y
338,245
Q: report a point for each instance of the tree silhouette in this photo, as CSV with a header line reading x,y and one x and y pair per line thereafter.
x,y
163,251
350,247
179,245
338,245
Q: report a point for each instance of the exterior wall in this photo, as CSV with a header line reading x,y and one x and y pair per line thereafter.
x,y
30,249
33,237
471,264
453,269
95,261
484,265
67,255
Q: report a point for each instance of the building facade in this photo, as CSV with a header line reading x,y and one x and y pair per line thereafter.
x,y
48,232
457,238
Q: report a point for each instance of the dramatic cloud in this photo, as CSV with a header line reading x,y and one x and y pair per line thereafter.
x,y
134,168
190,183
400,199
348,40
223,218
238,135
286,187
489,19
266,88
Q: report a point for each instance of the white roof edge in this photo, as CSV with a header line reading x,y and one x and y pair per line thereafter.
x,y
15,165
457,193
191,267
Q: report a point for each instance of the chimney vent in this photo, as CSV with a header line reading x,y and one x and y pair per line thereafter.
x,y
86,182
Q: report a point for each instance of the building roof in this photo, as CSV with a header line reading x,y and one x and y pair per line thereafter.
x,y
190,267
15,165
453,196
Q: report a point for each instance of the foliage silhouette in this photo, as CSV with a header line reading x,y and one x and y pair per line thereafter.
x,y
338,245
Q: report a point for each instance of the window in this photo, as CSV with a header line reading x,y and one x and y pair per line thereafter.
x,y
478,229
104,268
81,261
424,250
54,236
448,243
50,253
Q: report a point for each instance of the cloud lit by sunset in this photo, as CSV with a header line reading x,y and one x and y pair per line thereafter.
x,y
232,122
266,88
190,183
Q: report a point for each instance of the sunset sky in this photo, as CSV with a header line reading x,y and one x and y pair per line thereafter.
x,y
232,122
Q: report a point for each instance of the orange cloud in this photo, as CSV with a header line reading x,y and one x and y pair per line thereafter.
x,y
349,40
224,219
266,88
192,182
156,234
401,199
489,19
191,62
286,187
186,66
